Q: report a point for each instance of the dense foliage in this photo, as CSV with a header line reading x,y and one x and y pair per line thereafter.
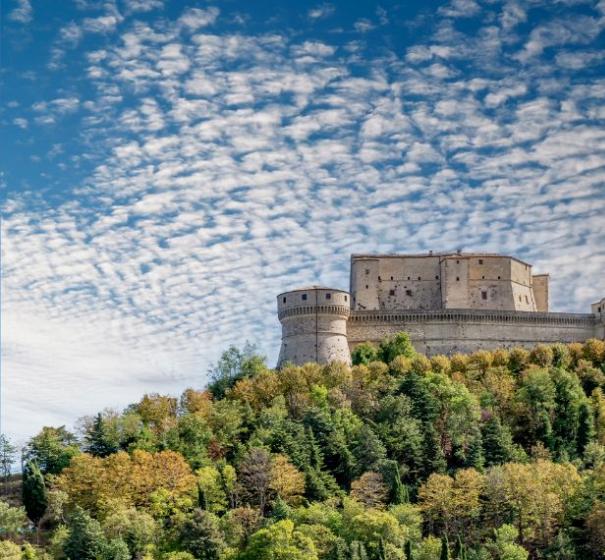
x,y
490,456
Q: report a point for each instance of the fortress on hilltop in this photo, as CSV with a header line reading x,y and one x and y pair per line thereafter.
x,y
446,302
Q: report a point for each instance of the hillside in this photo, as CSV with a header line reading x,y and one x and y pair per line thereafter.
x,y
495,455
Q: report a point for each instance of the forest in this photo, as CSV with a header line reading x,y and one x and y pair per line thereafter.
x,y
497,455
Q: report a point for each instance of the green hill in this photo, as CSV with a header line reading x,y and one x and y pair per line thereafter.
x,y
495,455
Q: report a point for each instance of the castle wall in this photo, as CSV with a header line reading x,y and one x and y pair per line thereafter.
x,y
447,332
540,285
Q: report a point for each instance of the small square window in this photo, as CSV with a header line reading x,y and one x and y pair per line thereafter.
x,y
328,296
436,277
409,278
480,261
483,278
498,277
367,271
419,278
391,277
391,292
483,295
304,297
367,286
284,300
379,279
408,292
457,262
457,278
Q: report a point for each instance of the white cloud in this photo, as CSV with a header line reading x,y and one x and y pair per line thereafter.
x,y
196,18
322,11
22,13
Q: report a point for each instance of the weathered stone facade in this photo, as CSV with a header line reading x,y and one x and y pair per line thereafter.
x,y
446,302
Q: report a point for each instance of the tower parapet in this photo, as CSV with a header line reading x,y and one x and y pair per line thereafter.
x,y
314,325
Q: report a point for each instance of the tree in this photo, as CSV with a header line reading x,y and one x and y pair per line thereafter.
x,y
280,541
503,546
52,449
286,481
255,477
136,528
397,345
452,504
35,497
233,365
12,520
370,490
10,551
8,452
86,539
364,353
102,438
200,536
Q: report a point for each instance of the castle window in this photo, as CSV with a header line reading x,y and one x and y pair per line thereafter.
x,y
498,277
408,292
483,294
409,278
419,278
304,297
346,298
457,262
367,286
483,278
480,261
391,277
519,298
284,300
457,278
367,271
379,279
526,299
328,296
391,292
436,277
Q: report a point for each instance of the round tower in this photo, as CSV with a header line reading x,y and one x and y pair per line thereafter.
x,y
314,325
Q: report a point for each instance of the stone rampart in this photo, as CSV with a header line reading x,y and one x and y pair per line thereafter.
x,y
468,330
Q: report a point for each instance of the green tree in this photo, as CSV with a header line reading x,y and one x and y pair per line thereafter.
x,y
280,541
52,449
12,520
86,540
200,535
364,353
102,437
34,493
397,345
8,453
233,365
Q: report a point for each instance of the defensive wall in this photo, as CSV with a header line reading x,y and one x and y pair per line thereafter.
x,y
466,330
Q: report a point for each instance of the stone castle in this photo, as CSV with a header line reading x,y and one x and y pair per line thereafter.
x,y
446,302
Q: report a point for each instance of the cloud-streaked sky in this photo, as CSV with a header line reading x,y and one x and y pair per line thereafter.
x,y
168,168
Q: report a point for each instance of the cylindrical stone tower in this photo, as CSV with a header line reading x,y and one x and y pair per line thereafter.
x,y
314,325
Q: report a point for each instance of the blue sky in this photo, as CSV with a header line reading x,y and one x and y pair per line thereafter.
x,y
169,167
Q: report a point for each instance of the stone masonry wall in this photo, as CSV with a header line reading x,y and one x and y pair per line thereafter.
x,y
466,330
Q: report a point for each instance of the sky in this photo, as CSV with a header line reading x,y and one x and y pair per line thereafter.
x,y
169,167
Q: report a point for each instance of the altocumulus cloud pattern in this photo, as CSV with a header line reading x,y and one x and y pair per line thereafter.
x,y
169,168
